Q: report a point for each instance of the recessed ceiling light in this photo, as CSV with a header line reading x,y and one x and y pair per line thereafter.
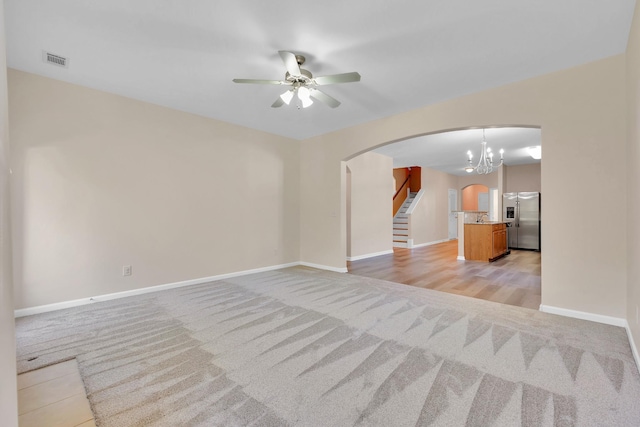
x,y
535,152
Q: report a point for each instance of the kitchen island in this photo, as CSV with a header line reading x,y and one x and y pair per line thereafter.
x,y
485,241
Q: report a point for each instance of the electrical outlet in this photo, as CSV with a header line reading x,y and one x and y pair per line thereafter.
x,y
126,270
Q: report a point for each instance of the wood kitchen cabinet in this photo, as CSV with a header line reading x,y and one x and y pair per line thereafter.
x,y
499,238
485,241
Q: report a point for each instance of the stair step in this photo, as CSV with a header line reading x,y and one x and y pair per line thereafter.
x,y
401,223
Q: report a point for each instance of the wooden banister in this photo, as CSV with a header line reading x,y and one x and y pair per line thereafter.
x,y
402,186
398,201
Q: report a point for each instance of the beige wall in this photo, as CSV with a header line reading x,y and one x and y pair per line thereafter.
x,y
522,178
8,393
633,165
578,110
101,181
430,219
372,191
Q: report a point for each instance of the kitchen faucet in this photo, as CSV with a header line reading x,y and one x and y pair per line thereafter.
x,y
480,216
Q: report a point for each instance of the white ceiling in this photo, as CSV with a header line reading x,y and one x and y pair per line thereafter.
x,y
447,151
410,53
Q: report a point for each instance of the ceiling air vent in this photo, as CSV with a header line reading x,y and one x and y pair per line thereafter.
x,y
58,60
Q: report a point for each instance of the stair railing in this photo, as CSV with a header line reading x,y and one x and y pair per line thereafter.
x,y
398,201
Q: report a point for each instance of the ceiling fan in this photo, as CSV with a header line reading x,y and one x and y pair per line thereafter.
x,y
302,83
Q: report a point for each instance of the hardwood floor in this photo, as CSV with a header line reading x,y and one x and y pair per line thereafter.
x,y
53,396
513,280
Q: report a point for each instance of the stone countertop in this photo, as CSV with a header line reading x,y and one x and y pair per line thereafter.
x,y
487,222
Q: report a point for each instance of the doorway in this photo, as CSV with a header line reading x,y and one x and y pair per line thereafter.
x,y
429,218
475,197
453,216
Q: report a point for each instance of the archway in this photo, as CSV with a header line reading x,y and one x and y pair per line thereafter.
x,y
475,192
450,175
475,197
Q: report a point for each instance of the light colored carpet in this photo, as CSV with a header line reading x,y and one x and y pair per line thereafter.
x,y
311,348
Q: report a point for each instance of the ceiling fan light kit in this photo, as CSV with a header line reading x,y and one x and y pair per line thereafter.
x,y
303,83
287,96
304,96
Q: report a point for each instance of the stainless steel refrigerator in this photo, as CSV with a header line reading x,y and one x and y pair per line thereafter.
x,y
522,210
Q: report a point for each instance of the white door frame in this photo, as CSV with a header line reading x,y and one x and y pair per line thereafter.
x,y
452,206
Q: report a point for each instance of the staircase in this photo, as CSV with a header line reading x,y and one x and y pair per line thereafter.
x,y
401,224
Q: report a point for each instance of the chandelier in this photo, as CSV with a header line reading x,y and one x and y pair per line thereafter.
x,y
485,164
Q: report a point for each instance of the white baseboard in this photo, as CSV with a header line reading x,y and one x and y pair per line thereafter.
x,y
83,301
375,254
615,321
461,258
608,320
435,242
324,267
632,343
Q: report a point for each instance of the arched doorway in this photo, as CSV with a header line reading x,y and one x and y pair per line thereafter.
x,y
475,192
475,197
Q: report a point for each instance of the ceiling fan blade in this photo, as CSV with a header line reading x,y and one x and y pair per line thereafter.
x,y
323,97
290,62
261,82
279,103
337,78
